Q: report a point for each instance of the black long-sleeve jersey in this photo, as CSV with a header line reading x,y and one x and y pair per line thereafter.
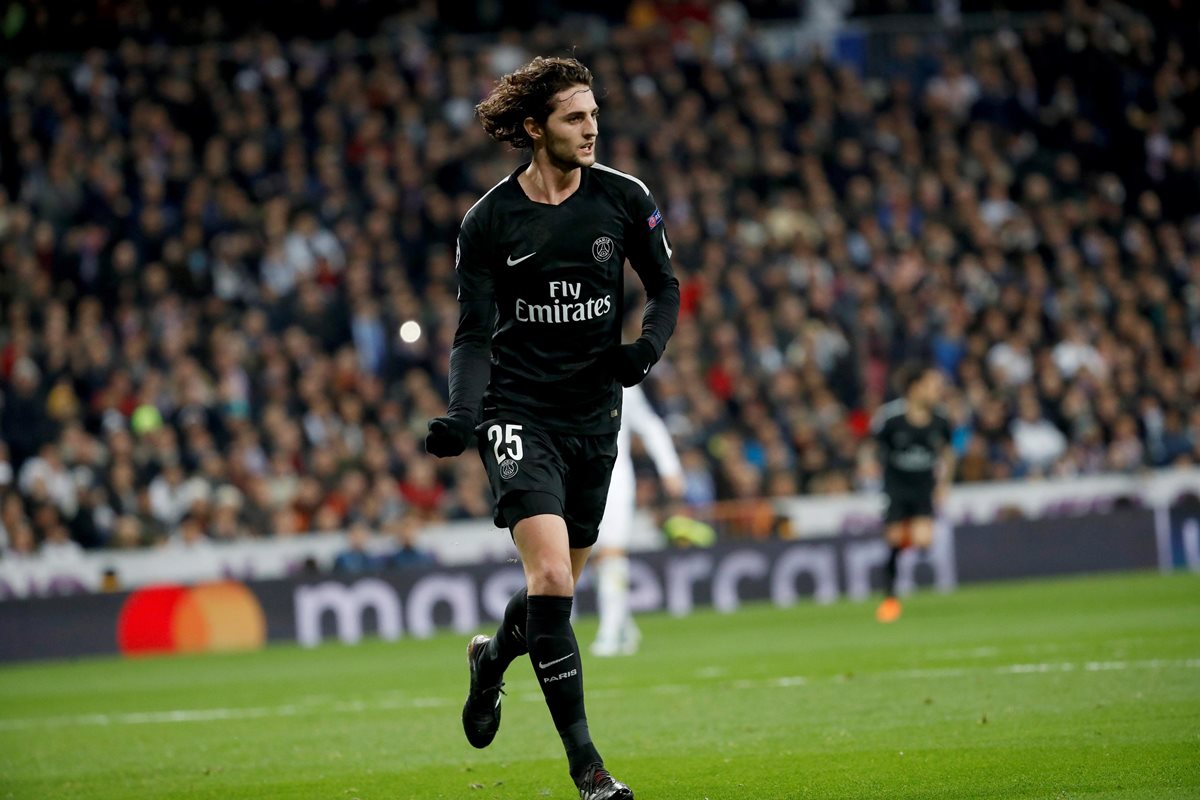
x,y
909,454
540,289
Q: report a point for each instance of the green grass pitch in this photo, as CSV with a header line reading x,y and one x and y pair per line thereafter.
x,y
1083,688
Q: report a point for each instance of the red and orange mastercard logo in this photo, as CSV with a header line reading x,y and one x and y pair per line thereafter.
x,y
209,617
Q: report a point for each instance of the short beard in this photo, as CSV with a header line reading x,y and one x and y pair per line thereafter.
x,y
565,162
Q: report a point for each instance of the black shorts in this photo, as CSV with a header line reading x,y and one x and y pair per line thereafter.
x,y
901,506
534,471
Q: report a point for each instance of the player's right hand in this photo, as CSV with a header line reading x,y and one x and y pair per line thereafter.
x,y
448,436
673,485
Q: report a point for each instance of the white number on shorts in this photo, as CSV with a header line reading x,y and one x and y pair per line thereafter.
x,y
509,436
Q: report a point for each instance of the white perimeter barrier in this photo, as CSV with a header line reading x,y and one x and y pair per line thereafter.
x,y
479,541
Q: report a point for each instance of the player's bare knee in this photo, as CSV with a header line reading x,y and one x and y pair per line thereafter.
x,y
922,532
551,578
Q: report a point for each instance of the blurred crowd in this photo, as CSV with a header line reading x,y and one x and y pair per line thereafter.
x,y
207,254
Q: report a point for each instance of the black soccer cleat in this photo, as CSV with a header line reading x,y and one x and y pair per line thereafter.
x,y
481,712
597,784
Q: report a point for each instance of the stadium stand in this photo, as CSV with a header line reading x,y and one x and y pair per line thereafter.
x,y
208,246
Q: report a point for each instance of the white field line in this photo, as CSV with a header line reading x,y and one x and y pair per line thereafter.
x,y
395,701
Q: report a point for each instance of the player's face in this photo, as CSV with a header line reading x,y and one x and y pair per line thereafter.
x,y
571,131
932,386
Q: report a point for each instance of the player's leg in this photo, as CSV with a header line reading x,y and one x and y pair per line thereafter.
x,y
509,642
913,532
590,465
921,532
550,574
920,529
612,563
896,532
898,536
579,560
524,487
631,634
612,599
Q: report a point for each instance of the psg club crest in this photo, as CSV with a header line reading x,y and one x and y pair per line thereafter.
x,y
508,468
602,249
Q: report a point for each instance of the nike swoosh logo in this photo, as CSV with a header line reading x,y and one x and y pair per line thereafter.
x,y
512,262
646,371
555,661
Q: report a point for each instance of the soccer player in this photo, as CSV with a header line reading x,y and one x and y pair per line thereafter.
x,y
536,371
918,462
618,634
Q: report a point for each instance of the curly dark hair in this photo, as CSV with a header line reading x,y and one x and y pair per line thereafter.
x,y
910,373
528,92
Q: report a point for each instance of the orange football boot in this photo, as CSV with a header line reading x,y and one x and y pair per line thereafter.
x,y
888,611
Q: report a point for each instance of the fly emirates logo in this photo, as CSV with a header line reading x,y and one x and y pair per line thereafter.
x,y
565,305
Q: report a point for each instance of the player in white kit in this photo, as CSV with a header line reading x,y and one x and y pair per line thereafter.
x,y
618,635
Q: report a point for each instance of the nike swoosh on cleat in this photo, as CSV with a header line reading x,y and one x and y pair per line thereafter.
x,y
512,262
555,661
646,371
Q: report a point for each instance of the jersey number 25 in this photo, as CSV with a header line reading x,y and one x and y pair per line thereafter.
x,y
510,438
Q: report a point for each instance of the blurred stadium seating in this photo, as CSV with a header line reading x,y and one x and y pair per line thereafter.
x,y
212,227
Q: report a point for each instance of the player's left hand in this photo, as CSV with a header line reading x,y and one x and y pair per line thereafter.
x,y
448,436
631,363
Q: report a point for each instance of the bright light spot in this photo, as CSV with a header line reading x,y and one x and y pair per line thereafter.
x,y
410,332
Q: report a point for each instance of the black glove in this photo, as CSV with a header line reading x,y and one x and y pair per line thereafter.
x,y
448,436
631,363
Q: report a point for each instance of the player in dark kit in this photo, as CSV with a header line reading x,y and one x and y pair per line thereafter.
x,y
914,449
536,372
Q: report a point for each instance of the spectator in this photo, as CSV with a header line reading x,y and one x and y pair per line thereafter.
x,y
12,515
407,554
45,478
24,424
127,533
357,558
57,545
421,489
189,535
172,493
1074,353
1038,443
698,488
226,524
195,298
6,468
21,543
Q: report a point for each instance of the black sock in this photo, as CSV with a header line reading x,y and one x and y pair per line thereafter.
x,y
889,572
509,642
556,663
